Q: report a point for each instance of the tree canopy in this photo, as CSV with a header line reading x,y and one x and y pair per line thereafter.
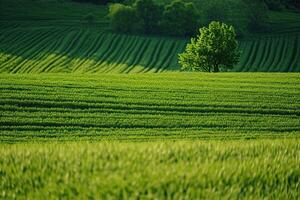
x,y
215,48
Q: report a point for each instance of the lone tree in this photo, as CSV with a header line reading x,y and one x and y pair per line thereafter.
x,y
215,47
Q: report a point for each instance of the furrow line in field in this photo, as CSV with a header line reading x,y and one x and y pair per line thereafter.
x,y
105,54
104,51
163,55
82,51
64,55
83,64
15,49
172,51
64,46
43,57
27,65
156,49
148,102
126,50
70,55
22,50
109,65
131,57
140,55
284,52
72,105
265,54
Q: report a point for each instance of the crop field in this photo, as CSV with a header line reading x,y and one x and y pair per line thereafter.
x,y
257,169
53,37
46,48
150,136
85,51
86,113
150,106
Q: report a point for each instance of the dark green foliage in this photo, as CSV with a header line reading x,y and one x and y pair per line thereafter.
x,y
217,10
124,19
175,19
90,18
256,13
180,19
242,14
150,13
275,4
215,48
279,5
101,2
44,10
295,3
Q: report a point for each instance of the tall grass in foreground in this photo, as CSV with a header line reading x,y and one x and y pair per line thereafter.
x,y
254,169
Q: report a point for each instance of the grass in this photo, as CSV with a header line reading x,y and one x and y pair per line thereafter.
x,y
152,106
150,136
72,129
258,169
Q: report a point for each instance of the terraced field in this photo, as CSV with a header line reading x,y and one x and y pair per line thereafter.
x,y
151,106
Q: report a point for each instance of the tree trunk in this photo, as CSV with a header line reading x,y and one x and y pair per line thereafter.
x,y
216,68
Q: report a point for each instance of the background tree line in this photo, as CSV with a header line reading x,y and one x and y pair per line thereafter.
x,y
271,4
182,18
145,16
99,2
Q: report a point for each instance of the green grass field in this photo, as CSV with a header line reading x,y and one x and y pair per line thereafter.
x,y
150,106
80,118
259,169
150,136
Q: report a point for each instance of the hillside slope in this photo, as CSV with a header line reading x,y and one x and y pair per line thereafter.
x,y
58,40
88,50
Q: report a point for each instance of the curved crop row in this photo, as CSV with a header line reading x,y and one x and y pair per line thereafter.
x,y
80,50
270,54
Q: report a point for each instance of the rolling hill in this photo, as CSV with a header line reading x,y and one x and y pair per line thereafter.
x,y
58,40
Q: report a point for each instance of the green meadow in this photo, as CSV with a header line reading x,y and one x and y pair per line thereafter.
x,y
150,136
149,106
236,169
